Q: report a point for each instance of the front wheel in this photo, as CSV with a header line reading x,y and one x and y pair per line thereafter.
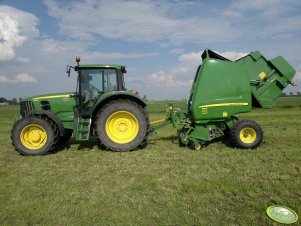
x,y
34,135
246,134
122,125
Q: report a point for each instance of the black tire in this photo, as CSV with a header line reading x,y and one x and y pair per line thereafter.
x,y
180,133
29,135
246,134
66,137
118,115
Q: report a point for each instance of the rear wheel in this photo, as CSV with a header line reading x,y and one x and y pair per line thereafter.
x,y
122,125
34,136
246,134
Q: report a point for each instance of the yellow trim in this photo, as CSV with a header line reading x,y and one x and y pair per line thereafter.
x,y
224,104
262,75
247,135
33,136
48,97
122,127
158,121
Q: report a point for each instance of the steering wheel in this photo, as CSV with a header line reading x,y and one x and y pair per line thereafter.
x,y
91,93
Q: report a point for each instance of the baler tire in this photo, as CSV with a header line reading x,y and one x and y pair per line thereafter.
x,y
180,132
28,130
122,125
246,134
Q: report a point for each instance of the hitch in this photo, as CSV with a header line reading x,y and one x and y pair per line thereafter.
x,y
174,116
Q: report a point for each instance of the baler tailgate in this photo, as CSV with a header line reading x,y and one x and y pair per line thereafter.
x,y
267,78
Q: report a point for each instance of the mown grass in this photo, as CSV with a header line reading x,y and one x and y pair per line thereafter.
x,y
162,184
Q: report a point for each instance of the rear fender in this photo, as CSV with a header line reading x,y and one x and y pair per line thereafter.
x,y
117,95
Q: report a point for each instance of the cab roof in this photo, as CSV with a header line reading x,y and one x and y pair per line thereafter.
x,y
117,66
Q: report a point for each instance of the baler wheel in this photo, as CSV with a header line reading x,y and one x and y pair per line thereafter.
x,y
34,135
246,134
122,125
197,146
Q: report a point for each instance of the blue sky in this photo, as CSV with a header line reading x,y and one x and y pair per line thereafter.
x,y
160,42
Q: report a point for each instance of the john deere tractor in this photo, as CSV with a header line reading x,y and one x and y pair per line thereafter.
x,y
101,107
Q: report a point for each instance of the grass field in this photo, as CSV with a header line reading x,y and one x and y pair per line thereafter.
x,y
162,184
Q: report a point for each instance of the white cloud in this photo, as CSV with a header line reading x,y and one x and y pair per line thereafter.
x,y
268,7
266,19
163,22
25,78
23,60
176,51
16,27
99,56
193,59
20,78
167,79
137,21
54,47
232,55
297,78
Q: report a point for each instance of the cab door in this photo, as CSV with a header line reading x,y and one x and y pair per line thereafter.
x,y
93,83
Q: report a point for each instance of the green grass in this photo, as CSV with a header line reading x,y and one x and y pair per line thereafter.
x,y
162,184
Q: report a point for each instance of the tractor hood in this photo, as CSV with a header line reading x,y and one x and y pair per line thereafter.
x,y
51,97
57,103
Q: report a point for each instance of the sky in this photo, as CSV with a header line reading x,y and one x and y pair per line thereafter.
x,y
160,42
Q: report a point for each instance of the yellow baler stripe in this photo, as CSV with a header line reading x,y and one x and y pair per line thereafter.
x,y
224,104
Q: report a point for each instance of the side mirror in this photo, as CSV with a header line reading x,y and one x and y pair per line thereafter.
x,y
123,69
68,70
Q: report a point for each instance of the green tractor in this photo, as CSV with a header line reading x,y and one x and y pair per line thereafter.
x,y
101,106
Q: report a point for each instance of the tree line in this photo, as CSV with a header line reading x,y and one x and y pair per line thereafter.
x,y
291,94
12,101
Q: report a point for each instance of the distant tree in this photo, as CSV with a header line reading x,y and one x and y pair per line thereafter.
x,y
14,101
283,94
298,94
2,100
291,94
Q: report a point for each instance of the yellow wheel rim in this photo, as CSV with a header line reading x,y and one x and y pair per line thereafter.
x,y
247,135
33,136
122,127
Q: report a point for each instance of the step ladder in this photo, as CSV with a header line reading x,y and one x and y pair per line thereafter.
x,y
83,128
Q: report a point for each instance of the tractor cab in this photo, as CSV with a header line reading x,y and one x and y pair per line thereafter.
x,y
94,80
